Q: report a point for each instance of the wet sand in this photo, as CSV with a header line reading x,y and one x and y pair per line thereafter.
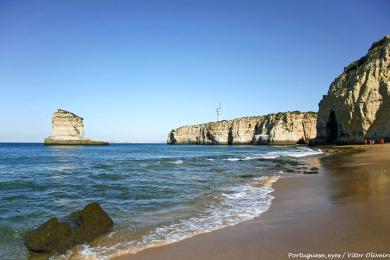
x,y
343,209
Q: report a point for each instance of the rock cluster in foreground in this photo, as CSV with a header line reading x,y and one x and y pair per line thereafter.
x,y
68,129
280,128
357,105
56,236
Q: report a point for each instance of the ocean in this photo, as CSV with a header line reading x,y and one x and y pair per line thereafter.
x,y
156,194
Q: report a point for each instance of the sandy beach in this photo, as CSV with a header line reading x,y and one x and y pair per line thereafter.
x,y
342,210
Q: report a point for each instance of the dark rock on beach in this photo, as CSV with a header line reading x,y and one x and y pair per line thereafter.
x,y
310,172
49,237
217,170
56,236
313,170
246,176
92,222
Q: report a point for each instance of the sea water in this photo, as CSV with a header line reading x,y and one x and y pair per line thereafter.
x,y
156,194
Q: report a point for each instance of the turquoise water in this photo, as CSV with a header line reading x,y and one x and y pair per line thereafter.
x,y
155,193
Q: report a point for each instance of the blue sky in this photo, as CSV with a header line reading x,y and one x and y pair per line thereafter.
x,y
136,69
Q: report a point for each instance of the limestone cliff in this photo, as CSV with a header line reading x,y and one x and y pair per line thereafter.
x,y
357,105
281,128
68,128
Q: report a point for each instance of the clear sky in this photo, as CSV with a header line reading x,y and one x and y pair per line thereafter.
x,y
136,69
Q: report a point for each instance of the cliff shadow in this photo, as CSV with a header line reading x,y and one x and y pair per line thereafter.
x,y
172,137
230,136
332,128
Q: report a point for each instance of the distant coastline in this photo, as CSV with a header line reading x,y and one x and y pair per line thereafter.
x,y
273,129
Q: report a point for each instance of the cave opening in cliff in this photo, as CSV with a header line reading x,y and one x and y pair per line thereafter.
x,y
332,127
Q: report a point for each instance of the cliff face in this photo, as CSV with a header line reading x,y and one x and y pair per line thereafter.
x,y
281,128
357,105
68,128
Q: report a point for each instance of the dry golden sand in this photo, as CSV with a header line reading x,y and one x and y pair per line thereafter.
x,y
344,208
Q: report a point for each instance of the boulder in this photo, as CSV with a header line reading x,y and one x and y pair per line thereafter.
x,y
91,222
51,236
56,236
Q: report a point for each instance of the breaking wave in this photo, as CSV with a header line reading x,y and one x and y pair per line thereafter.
x,y
234,205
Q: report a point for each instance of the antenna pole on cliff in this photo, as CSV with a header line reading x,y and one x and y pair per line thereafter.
x,y
219,112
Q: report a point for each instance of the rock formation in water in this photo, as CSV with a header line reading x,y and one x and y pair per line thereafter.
x,y
281,128
68,128
56,236
357,105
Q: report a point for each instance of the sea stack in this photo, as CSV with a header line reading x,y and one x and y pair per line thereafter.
x,y
68,129
357,106
281,128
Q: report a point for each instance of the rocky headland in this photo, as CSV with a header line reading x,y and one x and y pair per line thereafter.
x,y
68,129
357,105
281,128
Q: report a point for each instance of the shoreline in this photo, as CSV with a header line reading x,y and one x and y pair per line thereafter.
x,y
307,214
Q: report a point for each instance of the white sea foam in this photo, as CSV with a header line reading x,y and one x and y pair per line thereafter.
x,y
304,151
232,159
238,203
269,156
64,168
295,153
177,162
64,202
